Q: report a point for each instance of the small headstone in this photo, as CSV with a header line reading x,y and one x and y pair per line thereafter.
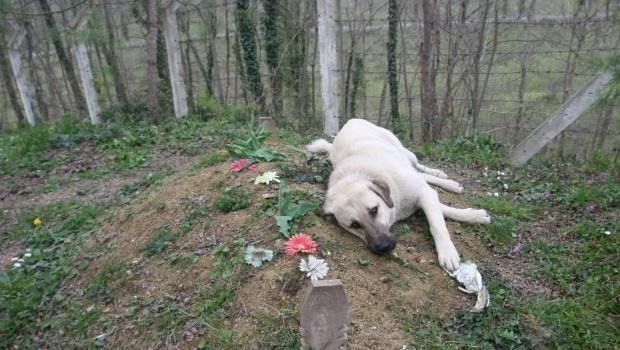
x,y
324,316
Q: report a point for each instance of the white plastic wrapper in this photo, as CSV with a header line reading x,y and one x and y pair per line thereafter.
x,y
467,274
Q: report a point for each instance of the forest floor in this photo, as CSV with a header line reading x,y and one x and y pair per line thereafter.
x,y
133,236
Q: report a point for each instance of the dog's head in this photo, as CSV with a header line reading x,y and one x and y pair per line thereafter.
x,y
364,208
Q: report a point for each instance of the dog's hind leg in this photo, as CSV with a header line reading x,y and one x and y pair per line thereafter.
x,y
469,215
446,184
424,169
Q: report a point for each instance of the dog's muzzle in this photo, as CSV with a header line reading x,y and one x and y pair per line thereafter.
x,y
382,244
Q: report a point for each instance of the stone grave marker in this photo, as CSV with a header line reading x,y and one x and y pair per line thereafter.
x,y
324,316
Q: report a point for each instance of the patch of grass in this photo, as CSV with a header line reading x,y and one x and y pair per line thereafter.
x,y
144,182
196,212
233,198
210,159
504,206
500,326
602,193
30,294
104,285
277,332
477,149
162,238
501,229
216,300
583,265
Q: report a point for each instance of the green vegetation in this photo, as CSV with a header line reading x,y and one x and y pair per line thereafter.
x,y
233,198
29,288
558,223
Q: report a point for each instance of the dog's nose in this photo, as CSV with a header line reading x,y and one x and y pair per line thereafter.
x,y
383,245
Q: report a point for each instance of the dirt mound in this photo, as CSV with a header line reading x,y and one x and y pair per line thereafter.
x,y
166,248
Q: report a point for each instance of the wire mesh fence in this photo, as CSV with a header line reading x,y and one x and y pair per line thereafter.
x,y
499,67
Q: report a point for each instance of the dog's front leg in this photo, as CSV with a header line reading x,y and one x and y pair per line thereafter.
x,y
446,252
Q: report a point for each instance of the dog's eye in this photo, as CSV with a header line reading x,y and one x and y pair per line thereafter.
x,y
373,211
355,225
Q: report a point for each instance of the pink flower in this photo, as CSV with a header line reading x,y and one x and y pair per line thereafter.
x,y
240,164
300,242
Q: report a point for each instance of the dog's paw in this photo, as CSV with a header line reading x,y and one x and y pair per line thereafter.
x,y
480,216
441,174
454,186
448,256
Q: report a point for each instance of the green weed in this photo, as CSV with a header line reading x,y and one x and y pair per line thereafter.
x,y
104,285
210,159
250,146
477,149
29,293
499,326
501,229
291,209
162,238
233,198
143,183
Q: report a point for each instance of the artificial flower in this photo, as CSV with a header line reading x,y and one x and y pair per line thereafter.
x,y
240,164
255,256
315,268
37,222
300,242
267,178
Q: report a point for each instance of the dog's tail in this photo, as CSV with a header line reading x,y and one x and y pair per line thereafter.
x,y
319,145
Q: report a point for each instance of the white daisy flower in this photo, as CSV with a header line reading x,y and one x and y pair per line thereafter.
x,y
27,255
17,265
315,268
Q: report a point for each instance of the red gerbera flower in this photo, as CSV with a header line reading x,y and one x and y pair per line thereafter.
x,y
300,242
237,165
240,164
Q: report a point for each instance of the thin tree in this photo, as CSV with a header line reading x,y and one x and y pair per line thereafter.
x,y
63,56
7,77
272,20
151,48
247,37
428,100
392,69
112,57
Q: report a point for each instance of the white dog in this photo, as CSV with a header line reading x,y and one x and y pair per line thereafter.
x,y
377,182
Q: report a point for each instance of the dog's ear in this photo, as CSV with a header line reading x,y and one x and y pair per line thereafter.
x,y
382,189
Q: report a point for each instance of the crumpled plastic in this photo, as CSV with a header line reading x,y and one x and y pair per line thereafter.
x,y
467,274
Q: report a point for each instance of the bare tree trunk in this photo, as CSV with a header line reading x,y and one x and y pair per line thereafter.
x,y
403,63
225,98
7,78
189,88
151,48
523,70
447,110
112,58
491,61
475,90
106,85
63,57
428,99
36,82
53,83
569,67
600,136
